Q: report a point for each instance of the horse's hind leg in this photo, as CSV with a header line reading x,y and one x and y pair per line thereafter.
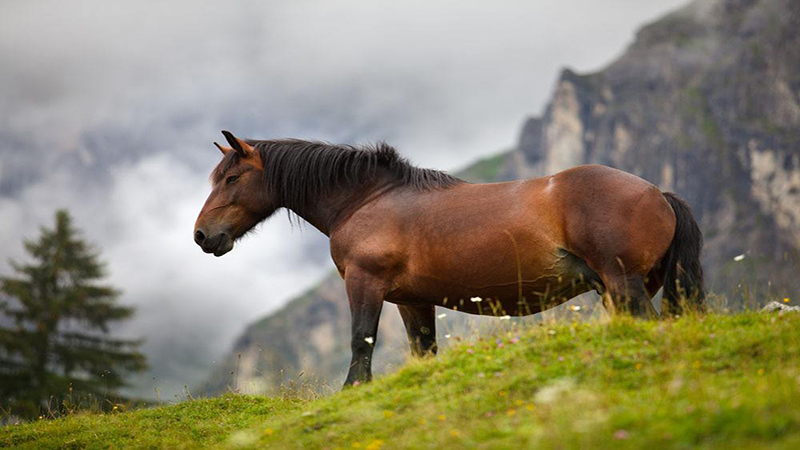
x,y
420,322
628,294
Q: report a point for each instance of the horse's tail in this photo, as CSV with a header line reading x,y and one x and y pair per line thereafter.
x,y
683,274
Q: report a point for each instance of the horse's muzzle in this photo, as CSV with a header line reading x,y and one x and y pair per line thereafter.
x,y
218,244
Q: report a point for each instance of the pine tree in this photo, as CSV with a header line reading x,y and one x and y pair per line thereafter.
x,y
58,345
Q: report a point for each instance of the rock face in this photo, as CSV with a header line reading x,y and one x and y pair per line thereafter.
x,y
704,103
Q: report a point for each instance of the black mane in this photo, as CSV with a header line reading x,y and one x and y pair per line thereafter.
x,y
298,171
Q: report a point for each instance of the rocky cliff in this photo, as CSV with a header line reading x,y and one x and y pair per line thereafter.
x,y
705,103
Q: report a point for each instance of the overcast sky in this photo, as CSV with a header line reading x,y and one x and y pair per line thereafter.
x,y
110,108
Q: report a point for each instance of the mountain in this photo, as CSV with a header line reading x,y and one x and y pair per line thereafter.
x,y
705,103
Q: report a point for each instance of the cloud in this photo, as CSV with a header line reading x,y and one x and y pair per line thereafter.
x,y
110,108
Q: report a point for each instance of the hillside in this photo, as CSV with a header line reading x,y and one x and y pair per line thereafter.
x,y
729,381
705,103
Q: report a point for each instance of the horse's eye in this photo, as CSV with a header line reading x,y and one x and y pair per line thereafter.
x,y
232,179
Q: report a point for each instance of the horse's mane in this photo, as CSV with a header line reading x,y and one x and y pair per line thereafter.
x,y
298,171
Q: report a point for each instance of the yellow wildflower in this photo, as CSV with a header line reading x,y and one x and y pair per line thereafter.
x,y
375,445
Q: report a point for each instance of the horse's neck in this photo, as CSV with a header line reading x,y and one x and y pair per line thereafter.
x,y
327,212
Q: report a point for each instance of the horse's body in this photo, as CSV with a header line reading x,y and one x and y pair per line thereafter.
x,y
419,238
551,238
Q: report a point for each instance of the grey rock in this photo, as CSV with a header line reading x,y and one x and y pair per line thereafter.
x,y
779,307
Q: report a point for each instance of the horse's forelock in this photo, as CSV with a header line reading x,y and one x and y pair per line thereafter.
x,y
229,160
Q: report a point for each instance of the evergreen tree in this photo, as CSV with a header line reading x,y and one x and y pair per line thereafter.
x,y
58,342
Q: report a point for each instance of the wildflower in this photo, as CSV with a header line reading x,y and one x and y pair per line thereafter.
x,y
530,407
575,308
388,414
447,336
356,444
760,372
519,402
515,340
442,418
738,258
551,332
469,350
476,299
786,300
269,431
638,366
369,340
505,317
423,422
356,383
454,433
115,408
621,434
502,393
511,412
374,445
561,359
442,316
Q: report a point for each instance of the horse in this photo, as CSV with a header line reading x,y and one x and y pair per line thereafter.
x,y
421,238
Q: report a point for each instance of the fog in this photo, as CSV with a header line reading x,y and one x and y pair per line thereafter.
x,y
109,109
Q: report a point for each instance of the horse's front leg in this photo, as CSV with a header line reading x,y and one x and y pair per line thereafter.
x,y
365,293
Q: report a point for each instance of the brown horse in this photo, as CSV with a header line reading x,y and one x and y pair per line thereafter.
x,y
420,238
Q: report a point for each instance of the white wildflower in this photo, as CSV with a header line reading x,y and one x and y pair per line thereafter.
x,y
551,332
738,258
369,340
476,299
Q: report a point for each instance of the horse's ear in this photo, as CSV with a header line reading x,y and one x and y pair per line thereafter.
x,y
242,148
224,150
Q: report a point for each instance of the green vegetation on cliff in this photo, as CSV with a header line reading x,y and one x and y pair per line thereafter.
x,y
693,382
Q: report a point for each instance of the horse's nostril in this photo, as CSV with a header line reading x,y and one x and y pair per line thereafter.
x,y
199,237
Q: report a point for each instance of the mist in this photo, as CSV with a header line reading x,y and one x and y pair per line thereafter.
x,y
110,109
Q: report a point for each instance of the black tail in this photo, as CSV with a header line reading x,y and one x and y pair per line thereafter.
x,y
683,278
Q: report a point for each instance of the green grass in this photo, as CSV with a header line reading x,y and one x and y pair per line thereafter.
x,y
485,170
712,382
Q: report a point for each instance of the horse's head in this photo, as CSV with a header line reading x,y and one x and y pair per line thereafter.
x,y
238,199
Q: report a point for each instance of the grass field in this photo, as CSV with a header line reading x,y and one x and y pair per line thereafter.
x,y
712,382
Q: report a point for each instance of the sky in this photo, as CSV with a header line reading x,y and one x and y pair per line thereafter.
x,y
110,109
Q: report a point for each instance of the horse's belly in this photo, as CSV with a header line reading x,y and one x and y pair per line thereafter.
x,y
499,289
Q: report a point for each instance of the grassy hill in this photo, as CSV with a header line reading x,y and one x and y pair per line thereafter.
x,y
692,382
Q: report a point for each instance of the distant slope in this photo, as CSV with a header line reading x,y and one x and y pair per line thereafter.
x,y
720,381
705,103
